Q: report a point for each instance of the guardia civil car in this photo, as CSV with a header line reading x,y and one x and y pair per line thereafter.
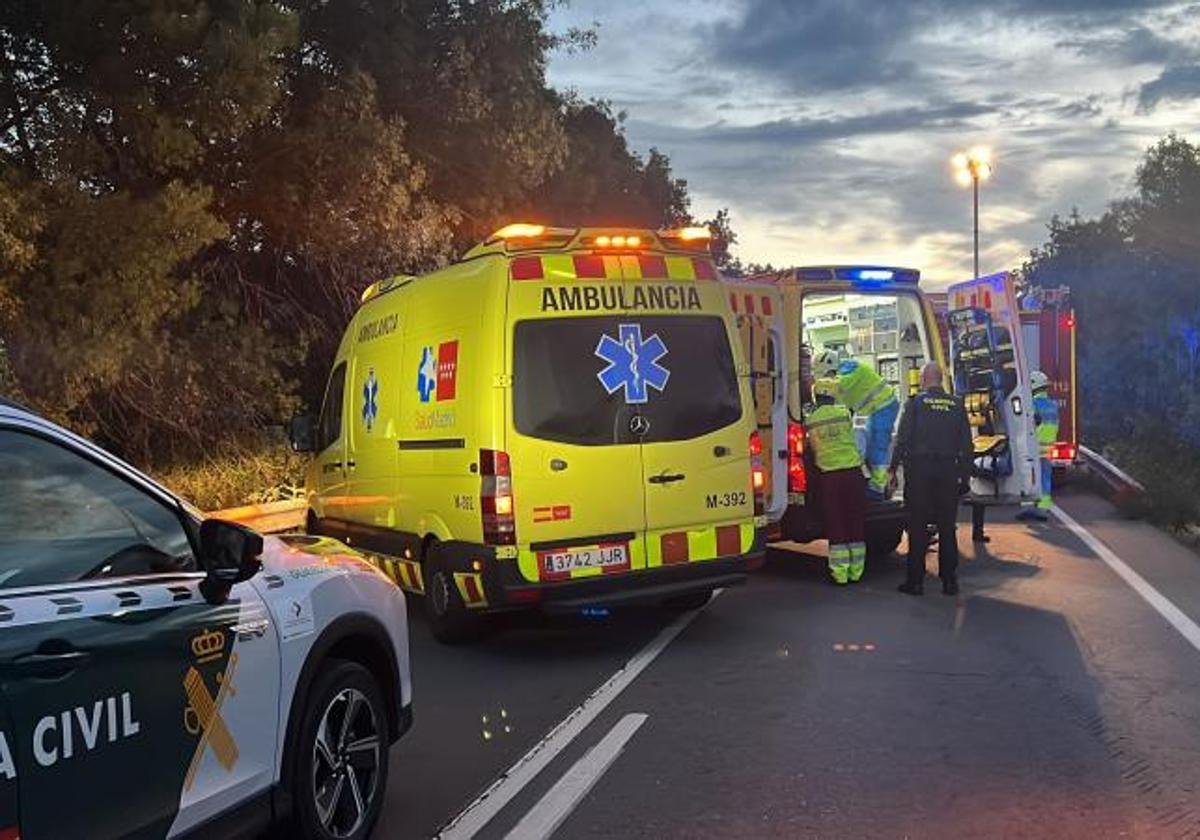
x,y
163,675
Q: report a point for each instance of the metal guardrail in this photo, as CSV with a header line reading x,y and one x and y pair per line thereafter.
x,y
269,518
1122,485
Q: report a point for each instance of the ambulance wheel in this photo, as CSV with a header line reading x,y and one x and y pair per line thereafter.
x,y
883,540
449,619
342,759
688,601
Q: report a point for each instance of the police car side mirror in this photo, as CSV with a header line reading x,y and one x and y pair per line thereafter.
x,y
302,433
229,554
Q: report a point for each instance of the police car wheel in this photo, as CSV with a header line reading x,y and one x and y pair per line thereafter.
x,y
342,765
449,618
688,601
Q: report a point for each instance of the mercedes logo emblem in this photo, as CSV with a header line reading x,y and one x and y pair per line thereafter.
x,y
639,424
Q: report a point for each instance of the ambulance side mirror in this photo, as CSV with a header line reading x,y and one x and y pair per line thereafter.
x,y
230,554
302,433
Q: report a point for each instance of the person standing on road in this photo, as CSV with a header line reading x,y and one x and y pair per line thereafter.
x,y
934,445
843,492
1045,416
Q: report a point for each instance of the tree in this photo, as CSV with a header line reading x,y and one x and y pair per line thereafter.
x,y
194,193
602,182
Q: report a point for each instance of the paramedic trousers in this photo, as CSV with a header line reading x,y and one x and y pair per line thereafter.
x,y
931,495
844,506
881,426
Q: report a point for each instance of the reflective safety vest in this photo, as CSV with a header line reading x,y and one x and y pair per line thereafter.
x,y
862,389
831,435
1045,408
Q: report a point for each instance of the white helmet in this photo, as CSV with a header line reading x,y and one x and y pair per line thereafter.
x,y
1038,381
825,364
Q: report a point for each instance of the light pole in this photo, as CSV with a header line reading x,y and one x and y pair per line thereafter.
x,y
970,168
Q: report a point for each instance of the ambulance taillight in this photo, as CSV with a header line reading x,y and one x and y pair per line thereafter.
x,y
797,476
758,473
496,498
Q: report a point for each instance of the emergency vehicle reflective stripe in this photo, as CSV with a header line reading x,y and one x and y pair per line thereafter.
x,y
764,306
470,588
611,267
404,573
662,549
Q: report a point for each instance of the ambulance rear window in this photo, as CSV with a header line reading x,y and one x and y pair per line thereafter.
x,y
584,380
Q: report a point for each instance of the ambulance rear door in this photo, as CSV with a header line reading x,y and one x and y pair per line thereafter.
x,y
696,427
1009,394
574,444
758,314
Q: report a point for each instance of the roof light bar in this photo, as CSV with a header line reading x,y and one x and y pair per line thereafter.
x,y
866,275
518,230
523,236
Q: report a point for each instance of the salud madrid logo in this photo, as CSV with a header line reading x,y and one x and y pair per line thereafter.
x,y
632,363
437,374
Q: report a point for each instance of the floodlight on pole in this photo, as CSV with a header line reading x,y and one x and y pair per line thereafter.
x,y
969,169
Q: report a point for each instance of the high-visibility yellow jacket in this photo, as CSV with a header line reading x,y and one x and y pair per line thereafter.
x,y
831,435
1045,409
862,389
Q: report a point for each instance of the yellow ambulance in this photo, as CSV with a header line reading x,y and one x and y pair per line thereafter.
x,y
561,419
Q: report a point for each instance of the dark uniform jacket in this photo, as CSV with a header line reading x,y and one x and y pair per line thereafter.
x,y
934,429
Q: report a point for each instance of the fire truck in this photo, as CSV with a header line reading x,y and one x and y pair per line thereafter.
x,y
1048,328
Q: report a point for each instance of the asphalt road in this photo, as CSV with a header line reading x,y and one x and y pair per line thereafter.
x,y
1048,699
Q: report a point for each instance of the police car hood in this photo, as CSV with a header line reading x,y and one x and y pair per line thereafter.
x,y
300,555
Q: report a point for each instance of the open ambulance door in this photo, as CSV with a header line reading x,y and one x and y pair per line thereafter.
x,y
990,372
761,333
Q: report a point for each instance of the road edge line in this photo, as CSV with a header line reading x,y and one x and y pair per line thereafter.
x,y
1176,617
509,783
544,818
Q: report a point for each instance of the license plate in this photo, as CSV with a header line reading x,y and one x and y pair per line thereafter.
x,y
594,557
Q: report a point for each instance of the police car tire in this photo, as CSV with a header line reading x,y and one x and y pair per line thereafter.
x,y
688,601
449,619
337,676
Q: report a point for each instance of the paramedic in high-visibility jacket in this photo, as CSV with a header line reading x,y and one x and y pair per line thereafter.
x,y
863,391
843,496
1045,415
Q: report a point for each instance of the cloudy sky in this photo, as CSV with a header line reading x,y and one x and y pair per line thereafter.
x,y
827,126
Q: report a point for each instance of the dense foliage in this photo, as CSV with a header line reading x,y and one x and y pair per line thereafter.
x,y
194,192
1134,274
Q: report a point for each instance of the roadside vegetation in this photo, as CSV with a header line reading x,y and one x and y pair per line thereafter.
x,y
193,195
1134,274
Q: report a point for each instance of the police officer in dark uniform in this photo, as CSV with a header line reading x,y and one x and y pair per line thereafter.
x,y
934,445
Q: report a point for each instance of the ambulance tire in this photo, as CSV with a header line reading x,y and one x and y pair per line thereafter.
x,y
688,601
883,540
449,619
338,681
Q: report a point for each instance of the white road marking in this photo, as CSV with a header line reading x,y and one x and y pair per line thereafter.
x,y
544,818
493,800
1174,616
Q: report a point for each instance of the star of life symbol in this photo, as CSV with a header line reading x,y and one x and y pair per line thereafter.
x,y
370,395
632,363
427,374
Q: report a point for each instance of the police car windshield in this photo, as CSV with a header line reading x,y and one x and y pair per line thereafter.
x,y
583,380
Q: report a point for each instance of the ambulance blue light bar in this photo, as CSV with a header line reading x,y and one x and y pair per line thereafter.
x,y
861,275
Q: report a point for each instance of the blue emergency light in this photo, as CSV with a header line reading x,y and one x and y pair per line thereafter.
x,y
860,275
